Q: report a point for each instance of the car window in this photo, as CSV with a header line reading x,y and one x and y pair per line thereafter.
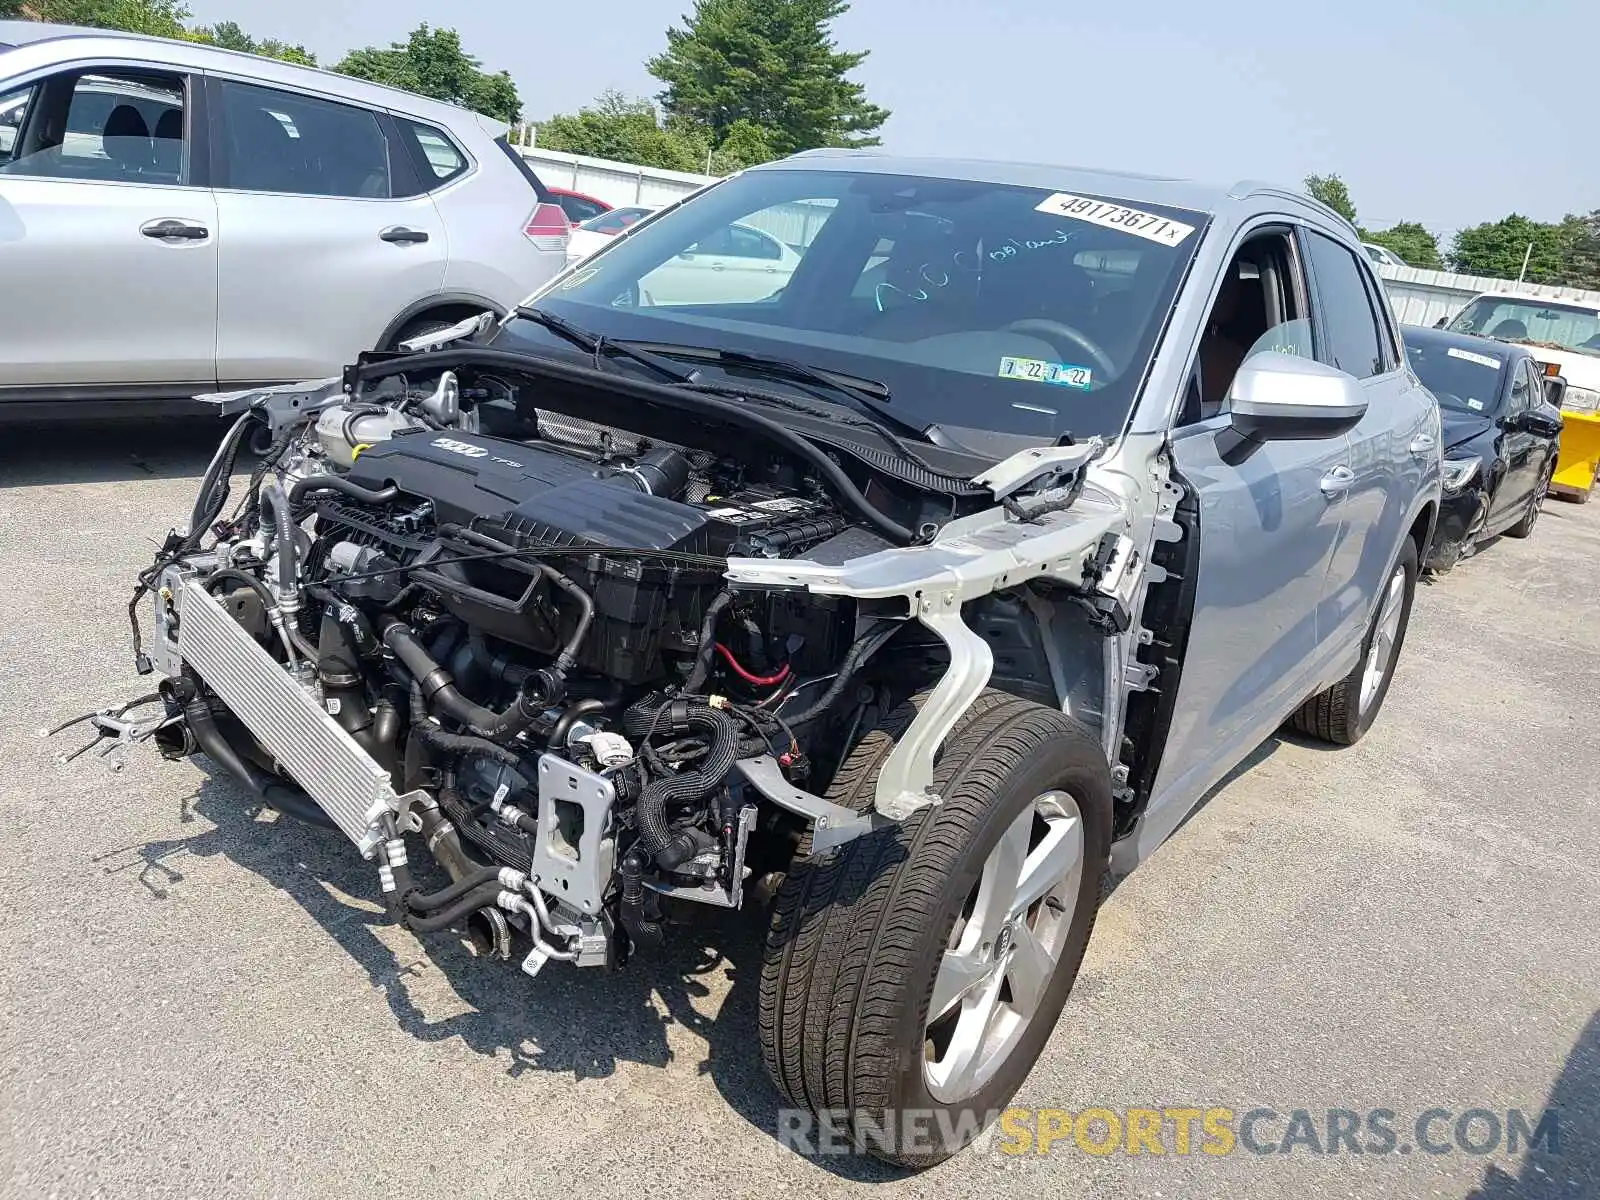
x,y
13,108
1353,343
1535,322
440,159
123,127
747,243
578,209
1462,378
283,142
966,298
1531,390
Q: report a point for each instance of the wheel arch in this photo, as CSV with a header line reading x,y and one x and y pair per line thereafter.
x,y
446,306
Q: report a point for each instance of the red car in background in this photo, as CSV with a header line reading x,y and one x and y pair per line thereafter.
x,y
578,207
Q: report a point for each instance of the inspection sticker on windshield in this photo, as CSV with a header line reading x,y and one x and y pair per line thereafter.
x,y
1471,356
1117,216
1475,405
1037,370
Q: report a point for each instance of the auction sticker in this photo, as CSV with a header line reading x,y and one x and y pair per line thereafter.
x,y
1117,216
1471,356
1037,370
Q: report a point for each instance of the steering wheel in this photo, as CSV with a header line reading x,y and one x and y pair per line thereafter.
x,y
1055,333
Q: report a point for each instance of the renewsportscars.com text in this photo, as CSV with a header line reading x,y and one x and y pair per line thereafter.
x,y
1178,1130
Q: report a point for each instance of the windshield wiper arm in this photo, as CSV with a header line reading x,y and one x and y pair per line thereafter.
x,y
870,397
600,346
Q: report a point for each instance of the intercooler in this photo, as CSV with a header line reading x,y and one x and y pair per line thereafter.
x,y
291,725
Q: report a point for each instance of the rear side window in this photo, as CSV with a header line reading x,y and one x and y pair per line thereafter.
x,y
525,170
1352,340
437,157
283,142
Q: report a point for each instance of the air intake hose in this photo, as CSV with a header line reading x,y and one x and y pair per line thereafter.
x,y
654,716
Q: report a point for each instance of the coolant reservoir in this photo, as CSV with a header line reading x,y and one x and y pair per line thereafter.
x,y
340,430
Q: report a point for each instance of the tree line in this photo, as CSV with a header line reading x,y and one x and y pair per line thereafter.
x,y
744,81
430,62
1564,252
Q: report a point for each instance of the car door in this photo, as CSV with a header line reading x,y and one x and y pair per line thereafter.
x,y
1390,448
108,246
1270,515
1519,446
326,233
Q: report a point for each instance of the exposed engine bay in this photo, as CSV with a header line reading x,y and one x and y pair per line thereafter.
x,y
593,670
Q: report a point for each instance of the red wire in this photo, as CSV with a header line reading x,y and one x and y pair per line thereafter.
x,y
749,677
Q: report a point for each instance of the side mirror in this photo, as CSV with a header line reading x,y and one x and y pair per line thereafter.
x,y
1555,390
1283,397
1541,424
1441,322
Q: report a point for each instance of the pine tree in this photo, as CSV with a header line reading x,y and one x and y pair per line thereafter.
x,y
772,64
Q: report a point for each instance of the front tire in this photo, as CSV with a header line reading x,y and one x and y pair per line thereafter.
x,y
917,973
1343,713
1524,527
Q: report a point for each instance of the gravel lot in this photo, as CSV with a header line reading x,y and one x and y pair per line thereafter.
x,y
196,1001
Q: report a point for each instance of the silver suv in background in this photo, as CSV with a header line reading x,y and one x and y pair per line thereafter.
x,y
177,218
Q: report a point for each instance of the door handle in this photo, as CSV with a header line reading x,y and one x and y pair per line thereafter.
x,y
1337,481
399,235
1422,445
173,230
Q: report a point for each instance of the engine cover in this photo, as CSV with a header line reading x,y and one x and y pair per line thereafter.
x,y
541,498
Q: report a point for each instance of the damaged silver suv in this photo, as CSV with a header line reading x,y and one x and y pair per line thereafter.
x,y
906,586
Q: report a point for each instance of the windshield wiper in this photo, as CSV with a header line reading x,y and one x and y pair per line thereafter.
x,y
869,398
599,346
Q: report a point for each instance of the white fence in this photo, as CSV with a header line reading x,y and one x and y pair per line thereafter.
x,y
616,183
1421,297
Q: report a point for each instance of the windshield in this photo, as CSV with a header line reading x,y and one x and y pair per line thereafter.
x,y
1535,322
978,305
1461,379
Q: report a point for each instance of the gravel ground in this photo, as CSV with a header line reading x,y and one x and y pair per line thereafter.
x,y
196,1000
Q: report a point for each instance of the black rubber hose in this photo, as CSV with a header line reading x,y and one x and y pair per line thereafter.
x,y
641,929
708,642
336,483
431,901
483,897
573,713
282,528
439,688
231,575
291,802
650,814
457,744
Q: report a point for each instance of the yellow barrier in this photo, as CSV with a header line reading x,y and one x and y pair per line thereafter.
x,y
1580,456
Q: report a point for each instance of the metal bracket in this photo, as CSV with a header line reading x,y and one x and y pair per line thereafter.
x,y
907,774
576,874
709,892
832,824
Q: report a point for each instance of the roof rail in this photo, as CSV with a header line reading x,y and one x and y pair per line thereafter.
x,y
1246,187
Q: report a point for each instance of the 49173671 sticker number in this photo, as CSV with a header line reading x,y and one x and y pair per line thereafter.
x,y
1149,226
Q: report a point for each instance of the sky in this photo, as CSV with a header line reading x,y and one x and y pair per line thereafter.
x,y
1438,111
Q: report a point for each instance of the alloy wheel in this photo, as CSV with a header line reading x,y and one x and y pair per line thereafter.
x,y
1005,947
